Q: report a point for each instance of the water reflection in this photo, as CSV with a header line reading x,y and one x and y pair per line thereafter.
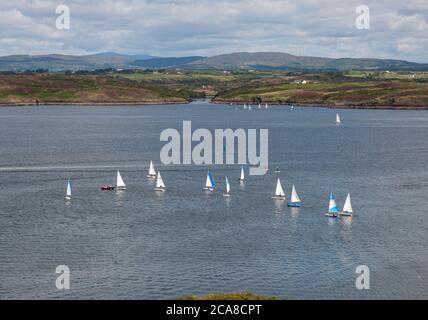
x,y
120,197
295,212
279,206
332,221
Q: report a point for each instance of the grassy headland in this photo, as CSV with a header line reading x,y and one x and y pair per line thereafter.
x,y
351,89
229,296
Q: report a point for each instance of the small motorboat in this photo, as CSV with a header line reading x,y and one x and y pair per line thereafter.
x,y
107,187
277,170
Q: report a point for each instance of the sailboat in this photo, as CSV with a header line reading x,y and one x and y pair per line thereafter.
x,y
338,121
242,177
249,107
295,200
260,106
210,184
160,185
279,192
266,106
347,207
332,208
227,193
152,171
120,185
69,190
292,107
245,106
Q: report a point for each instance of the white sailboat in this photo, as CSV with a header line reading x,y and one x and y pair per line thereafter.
x,y
160,185
152,171
209,184
245,106
347,210
260,106
242,177
69,190
295,199
249,107
120,185
338,120
266,106
279,192
332,207
227,193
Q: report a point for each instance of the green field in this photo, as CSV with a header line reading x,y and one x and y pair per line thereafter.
x,y
353,89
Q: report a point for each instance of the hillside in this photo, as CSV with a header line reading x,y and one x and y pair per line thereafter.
x,y
233,61
73,89
285,61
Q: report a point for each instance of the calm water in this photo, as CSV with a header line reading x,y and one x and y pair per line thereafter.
x,y
138,244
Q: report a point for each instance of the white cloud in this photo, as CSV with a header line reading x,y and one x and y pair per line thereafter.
x,y
205,27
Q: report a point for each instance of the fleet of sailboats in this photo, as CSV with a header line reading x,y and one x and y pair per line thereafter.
x,y
295,200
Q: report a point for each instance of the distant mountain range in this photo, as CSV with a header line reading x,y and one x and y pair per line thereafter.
x,y
233,61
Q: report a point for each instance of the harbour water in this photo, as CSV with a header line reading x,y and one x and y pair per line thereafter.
x,y
138,244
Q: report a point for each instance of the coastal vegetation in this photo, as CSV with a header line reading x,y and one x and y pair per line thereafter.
x,y
230,296
353,89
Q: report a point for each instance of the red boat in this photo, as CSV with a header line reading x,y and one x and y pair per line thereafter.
x,y
107,187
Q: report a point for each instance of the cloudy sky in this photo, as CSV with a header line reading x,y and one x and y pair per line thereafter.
x,y
398,28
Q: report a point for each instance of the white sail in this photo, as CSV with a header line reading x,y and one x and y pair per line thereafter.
x,y
279,192
294,196
159,182
332,207
242,178
260,106
119,181
347,208
249,107
152,171
245,106
338,121
266,106
227,186
69,189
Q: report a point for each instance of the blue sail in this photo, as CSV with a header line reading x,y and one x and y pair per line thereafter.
x,y
332,206
211,179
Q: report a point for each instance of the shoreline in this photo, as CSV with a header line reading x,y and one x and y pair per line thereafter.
x,y
321,105
88,104
212,101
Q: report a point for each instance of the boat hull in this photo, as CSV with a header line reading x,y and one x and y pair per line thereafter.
x,y
67,198
160,189
226,195
120,188
295,205
345,214
278,198
209,189
331,215
150,176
